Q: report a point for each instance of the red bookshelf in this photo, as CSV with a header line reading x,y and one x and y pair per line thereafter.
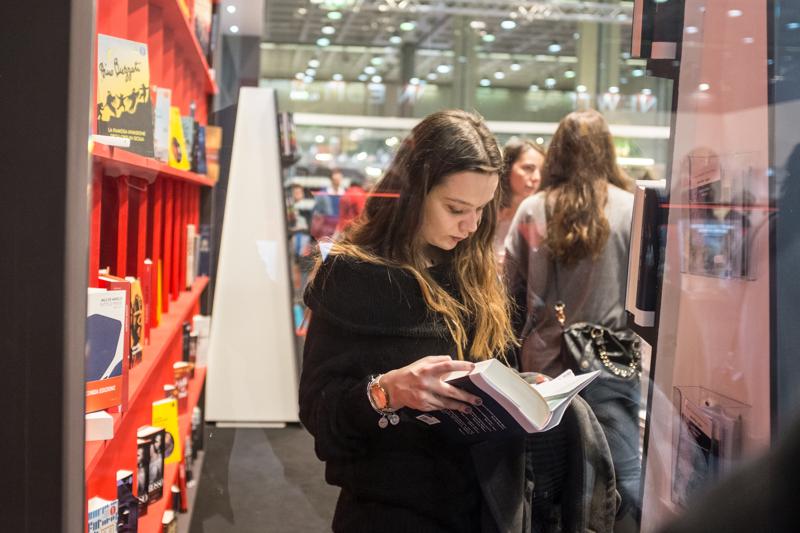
x,y
140,209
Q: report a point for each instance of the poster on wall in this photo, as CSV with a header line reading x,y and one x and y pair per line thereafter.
x,y
123,93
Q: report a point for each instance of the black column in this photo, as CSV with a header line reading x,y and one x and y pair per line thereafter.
x,y
45,75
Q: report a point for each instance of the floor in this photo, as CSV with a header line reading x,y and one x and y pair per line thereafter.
x,y
262,480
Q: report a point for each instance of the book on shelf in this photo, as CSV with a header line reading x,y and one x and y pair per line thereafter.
x,y
213,147
165,415
108,281
163,102
182,372
142,466
511,406
123,92
150,451
199,163
178,157
188,125
197,430
102,515
202,24
147,293
137,318
184,495
191,242
128,503
105,366
175,499
169,522
99,425
204,250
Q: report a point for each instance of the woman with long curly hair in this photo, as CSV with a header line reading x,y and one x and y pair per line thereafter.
x,y
569,243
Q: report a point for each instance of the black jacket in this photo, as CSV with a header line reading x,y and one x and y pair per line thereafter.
x,y
370,319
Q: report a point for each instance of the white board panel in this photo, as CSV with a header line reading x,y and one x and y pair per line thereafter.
x,y
252,376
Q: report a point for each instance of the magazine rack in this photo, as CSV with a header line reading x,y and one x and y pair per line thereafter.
x,y
707,434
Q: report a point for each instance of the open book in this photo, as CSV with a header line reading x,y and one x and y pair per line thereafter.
x,y
511,406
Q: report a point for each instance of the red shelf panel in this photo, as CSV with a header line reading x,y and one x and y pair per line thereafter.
x,y
119,162
161,338
184,34
151,522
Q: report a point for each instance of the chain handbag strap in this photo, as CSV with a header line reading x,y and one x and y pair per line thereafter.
x,y
627,372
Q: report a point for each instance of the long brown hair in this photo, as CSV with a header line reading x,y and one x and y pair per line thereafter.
x,y
442,144
512,151
580,163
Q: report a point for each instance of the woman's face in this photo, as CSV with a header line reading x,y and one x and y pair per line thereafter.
x,y
524,176
452,210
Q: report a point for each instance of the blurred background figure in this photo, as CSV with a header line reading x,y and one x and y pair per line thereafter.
x,y
325,218
521,178
569,243
351,204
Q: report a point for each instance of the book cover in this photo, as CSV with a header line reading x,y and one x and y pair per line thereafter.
x,y
199,157
147,294
105,349
107,281
511,406
213,146
204,251
154,441
163,102
128,504
142,468
178,158
182,371
123,92
137,318
102,515
165,415
175,495
188,125
169,522
197,431
202,24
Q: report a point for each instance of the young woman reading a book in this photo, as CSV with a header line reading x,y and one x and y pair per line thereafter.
x,y
410,294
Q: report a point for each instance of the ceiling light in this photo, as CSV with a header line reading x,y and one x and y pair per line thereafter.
x,y
793,25
408,26
414,81
432,76
328,30
443,69
499,75
307,79
396,39
516,67
647,92
391,141
377,61
704,87
319,139
539,140
362,156
234,29
323,42
334,15
733,13
554,47
569,74
488,38
302,11
581,88
550,82
231,9
336,77
477,25
311,72
313,63
376,79
748,40
370,70
486,82
613,89
691,30
363,77
637,73
533,88
299,76
576,35
508,24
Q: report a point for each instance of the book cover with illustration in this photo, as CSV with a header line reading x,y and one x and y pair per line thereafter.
x,y
178,157
108,281
123,92
199,158
188,124
165,415
138,318
213,146
128,503
105,348
102,517
151,442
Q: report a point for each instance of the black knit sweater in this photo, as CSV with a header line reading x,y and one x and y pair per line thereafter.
x,y
370,319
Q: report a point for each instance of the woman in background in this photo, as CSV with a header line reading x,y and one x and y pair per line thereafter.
x,y
570,242
521,177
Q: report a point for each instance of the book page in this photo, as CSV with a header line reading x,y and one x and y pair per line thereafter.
x,y
560,391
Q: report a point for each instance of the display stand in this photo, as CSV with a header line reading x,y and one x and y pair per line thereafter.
x,y
252,364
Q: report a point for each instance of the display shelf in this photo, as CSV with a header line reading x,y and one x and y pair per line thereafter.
x,y
151,522
118,162
184,33
154,354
